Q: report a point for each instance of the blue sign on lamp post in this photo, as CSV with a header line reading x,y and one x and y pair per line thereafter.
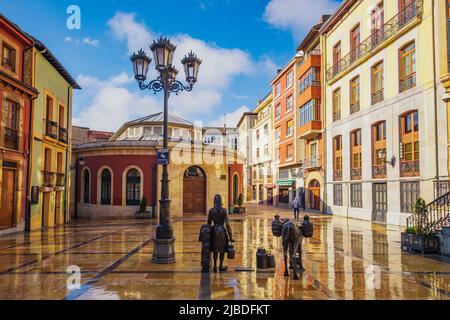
x,y
163,157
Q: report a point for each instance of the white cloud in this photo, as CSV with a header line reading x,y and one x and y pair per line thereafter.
x,y
297,16
68,39
125,27
91,42
219,67
231,118
111,104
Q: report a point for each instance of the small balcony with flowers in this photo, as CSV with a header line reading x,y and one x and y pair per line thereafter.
x,y
310,124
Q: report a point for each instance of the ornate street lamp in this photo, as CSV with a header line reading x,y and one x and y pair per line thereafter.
x,y
163,50
382,155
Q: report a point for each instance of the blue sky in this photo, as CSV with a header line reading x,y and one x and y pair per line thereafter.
x,y
242,43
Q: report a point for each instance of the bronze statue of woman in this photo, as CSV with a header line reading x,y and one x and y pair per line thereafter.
x,y
221,235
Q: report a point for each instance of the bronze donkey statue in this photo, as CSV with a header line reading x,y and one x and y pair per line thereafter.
x,y
292,239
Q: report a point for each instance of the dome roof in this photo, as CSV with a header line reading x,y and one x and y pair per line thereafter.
x,y
159,117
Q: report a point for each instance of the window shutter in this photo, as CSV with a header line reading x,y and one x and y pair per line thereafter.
x,y
13,60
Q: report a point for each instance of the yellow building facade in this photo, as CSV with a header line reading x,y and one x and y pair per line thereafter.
x,y
262,165
386,131
51,136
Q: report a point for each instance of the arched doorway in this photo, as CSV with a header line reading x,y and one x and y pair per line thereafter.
x,y
314,195
194,191
235,188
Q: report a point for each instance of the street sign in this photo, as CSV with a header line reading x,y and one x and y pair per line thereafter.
x,y
163,157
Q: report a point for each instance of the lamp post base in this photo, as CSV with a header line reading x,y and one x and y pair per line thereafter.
x,y
163,251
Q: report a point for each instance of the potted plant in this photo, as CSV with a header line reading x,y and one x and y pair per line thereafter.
x,y
143,213
420,237
240,202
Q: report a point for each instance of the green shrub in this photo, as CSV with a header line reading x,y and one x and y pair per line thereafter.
x,y
411,230
240,201
143,205
422,224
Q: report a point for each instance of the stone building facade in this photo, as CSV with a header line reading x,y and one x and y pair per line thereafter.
x,y
114,176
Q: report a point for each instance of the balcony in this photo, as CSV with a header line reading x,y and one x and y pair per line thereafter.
x,y
388,31
310,123
407,83
49,178
356,174
63,136
11,139
378,96
312,164
337,175
354,107
51,129
60,179
379,171
313,59
410,168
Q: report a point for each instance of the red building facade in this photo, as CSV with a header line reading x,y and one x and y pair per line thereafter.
x,y
114,176
16,96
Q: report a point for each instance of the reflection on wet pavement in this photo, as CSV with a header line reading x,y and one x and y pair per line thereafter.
x,y
346,259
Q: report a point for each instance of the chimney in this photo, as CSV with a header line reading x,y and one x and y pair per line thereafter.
x,y
324,18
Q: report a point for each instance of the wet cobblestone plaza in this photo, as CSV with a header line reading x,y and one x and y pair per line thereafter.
x,y
346,259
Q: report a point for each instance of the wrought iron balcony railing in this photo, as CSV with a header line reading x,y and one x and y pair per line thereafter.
x,y
410,168
49,178
378,96
51,129
60,179
11,139
354,107
356,174
407,83
63,137
389,30
379,171
312,163
337,175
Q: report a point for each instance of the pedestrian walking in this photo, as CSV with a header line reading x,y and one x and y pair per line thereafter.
x,y
296,205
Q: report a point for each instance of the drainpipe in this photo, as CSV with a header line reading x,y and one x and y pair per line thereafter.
x,y
324,122
30,146
435,92
67,171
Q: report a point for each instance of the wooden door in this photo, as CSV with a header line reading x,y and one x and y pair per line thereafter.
x,y
314,195
194,195
7,199
58,218
380,202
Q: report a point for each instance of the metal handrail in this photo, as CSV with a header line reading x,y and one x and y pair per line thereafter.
x,y
438,214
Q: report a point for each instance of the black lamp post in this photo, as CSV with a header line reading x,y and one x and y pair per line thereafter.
x,y
163,49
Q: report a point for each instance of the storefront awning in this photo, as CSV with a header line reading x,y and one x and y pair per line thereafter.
x,y
285,183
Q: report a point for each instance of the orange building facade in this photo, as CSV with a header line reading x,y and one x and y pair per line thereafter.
x,y
287,157
310,124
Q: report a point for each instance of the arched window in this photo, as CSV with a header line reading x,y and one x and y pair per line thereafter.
x,y
86,186
133,191
105,193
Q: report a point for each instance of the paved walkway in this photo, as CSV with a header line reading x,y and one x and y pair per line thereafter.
x,y
346,259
